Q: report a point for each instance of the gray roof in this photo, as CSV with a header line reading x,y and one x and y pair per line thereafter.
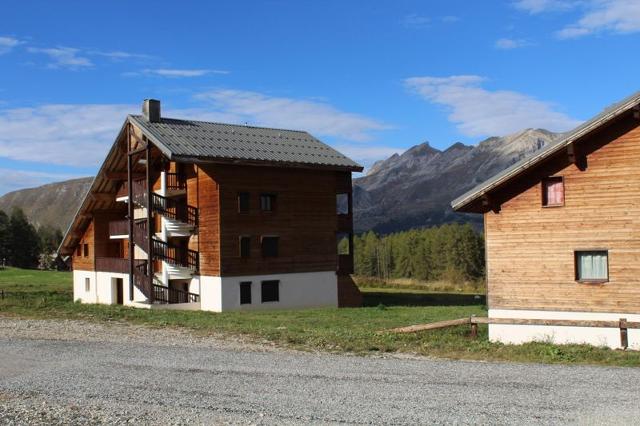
x,y
604,117
200,140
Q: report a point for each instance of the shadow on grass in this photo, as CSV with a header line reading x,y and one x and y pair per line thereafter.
x,y
421,299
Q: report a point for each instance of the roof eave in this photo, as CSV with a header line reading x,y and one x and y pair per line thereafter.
x,y
580,132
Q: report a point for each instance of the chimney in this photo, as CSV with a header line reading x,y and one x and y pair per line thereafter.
x,y
151,110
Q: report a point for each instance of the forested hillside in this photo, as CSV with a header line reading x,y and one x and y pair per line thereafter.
x,y
450,252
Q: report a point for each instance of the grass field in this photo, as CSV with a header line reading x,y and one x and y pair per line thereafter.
x,y
38,294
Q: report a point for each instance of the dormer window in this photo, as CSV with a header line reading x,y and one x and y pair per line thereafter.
x,y
553,191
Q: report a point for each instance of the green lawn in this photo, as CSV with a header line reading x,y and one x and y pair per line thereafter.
x,y
39,294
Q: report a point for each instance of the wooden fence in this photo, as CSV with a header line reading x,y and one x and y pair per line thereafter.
x,y
473,321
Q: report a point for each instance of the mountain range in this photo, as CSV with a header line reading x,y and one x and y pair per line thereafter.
x,y
412,189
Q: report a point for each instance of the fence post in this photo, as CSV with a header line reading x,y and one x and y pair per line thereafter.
x,y
474,327
624,341
2,294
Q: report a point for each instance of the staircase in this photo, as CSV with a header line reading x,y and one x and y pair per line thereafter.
x,y
181,220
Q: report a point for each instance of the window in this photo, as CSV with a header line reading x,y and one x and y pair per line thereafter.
x,y
243,202
342,204
79,250
344,243
245,246
267,202
245,293
592,266
270,291
86,250
87,284
270,246
553,191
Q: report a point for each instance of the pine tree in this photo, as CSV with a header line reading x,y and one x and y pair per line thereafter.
x,y
24,241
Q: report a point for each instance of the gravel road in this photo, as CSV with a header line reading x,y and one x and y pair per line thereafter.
x,y
82,373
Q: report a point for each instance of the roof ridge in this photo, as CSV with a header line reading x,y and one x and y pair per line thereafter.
x,y
140,116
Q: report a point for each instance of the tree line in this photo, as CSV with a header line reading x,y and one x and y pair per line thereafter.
x,y
24,246
451,252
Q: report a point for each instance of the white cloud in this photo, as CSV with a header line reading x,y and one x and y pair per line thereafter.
x,y
118,55
64,57
81,135
319,118
7,44
75,135
17,179
510,43
613,16
414,20
179,73
481,112
539,6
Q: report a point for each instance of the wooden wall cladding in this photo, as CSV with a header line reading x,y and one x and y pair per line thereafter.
x,y
530,248
304,218
82,262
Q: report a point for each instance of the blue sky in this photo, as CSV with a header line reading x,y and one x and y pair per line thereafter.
x,y
369,78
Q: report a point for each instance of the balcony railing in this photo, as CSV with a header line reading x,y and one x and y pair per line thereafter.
x,y
176,256
112,264
174,209
162,294
118,228
175,182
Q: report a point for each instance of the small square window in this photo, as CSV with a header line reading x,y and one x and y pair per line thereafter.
x,y
243,202
553,191
270,246
592,266
87,285
267,202
245,293
86,250
270,291
245,246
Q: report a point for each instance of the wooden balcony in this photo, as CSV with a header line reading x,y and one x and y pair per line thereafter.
x,y
119,228
112,264
175,182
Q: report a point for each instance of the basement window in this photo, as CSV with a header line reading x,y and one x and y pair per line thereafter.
x,y
592,266
243,202
87,285
267,202
245,293
245,246
270,291
86,250
270,246
553,191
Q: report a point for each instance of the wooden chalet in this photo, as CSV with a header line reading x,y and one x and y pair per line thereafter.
x,y
562,231
197,215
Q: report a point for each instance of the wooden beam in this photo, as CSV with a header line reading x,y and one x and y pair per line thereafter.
x,y
431,326
576,157
112,175
103,196
489,202
636,112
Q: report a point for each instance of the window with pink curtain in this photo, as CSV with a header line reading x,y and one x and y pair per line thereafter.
x,y
553,191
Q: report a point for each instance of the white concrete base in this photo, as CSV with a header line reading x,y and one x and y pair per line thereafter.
x,y
299,290
518,334
103,288
218,294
